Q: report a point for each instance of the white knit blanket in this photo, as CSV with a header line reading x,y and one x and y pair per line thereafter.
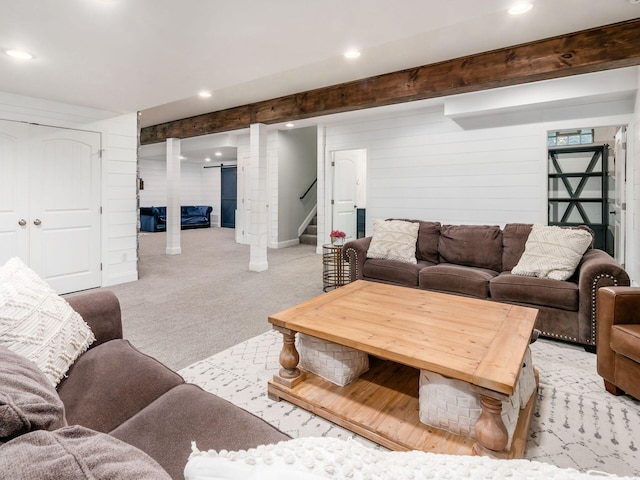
x,y
310,458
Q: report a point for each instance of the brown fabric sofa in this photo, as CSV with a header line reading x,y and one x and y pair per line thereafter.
x,y
476,260
113,391
618,316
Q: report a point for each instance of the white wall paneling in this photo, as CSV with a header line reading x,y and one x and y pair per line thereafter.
x,y
154,174
198,186
297,164
423,165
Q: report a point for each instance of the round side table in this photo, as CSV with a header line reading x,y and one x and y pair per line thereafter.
x,y
335,269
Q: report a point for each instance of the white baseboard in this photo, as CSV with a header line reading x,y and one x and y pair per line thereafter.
x,y
286,243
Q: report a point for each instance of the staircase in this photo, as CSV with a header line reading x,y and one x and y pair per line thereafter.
x,y
310,234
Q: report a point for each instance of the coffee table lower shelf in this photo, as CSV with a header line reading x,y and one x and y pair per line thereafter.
x,y
382,405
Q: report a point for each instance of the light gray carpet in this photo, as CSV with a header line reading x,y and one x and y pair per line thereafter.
x,y
576,423
187,307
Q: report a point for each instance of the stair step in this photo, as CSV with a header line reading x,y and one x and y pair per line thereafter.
x,y
311,229
309,239
314,220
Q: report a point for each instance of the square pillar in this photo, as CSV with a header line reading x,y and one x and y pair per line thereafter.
x,y
257,197
173,197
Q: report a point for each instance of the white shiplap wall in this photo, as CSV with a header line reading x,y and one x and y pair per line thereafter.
x,y
154,175
423,165
119,142
199,186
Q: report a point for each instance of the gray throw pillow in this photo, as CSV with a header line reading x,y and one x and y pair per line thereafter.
x,y
28,400
75,453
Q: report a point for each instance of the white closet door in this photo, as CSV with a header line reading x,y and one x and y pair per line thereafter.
x,y
14,191
345,176
65,207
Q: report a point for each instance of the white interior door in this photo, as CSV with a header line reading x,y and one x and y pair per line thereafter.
x,y
345,177
617,195
14,191
64,218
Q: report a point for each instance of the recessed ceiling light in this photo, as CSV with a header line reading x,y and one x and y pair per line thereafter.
x,y
20,54
218,154
204,94
208,159
351,53
289,125
521,7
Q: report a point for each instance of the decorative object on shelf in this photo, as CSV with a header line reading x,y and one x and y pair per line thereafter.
x,y
337,237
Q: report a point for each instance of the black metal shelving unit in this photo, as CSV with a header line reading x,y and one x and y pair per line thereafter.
x,y
578,188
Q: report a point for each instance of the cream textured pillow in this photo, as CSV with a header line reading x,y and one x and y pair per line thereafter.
x,y
552,252
334,458
37,323
394,240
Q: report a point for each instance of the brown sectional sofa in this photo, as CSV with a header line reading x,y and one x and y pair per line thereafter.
x,y
115,398
476,260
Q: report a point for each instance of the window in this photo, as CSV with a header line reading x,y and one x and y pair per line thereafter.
x,y
570,137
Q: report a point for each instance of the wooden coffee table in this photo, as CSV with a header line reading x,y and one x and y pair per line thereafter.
x,y
404,330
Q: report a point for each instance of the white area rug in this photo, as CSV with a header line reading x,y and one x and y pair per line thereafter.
x,y
576,423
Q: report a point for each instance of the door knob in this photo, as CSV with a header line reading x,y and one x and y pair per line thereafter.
x,y
22,222
37,221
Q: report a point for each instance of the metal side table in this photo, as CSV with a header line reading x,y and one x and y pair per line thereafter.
x,y
335,269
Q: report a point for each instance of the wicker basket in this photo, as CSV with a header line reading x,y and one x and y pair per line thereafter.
x,y
338,364
450,405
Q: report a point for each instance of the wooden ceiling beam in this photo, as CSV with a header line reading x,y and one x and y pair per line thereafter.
x,y
597,49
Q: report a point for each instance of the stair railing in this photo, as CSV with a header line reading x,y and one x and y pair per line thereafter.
x,y
308,189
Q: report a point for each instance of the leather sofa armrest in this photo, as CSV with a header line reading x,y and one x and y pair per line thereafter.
x,y
100,309
355,252
616,305
597,269
620,305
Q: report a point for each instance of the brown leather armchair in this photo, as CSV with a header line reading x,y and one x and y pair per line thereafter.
x,y
618,339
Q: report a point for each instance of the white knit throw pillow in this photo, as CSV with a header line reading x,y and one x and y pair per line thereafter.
x,y
37,323
394,240
552,252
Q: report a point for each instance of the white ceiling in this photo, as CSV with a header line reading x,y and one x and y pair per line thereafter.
x,y
154,56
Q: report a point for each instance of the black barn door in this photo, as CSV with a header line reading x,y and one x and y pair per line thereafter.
x,y
229,196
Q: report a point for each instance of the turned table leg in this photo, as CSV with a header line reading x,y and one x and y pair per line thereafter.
x,y
289,374
289,356
491,434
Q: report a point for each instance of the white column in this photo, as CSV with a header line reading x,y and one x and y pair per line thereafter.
x,y
324,194
173,197
257,197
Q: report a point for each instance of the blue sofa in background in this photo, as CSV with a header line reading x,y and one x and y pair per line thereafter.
x,y
154,219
